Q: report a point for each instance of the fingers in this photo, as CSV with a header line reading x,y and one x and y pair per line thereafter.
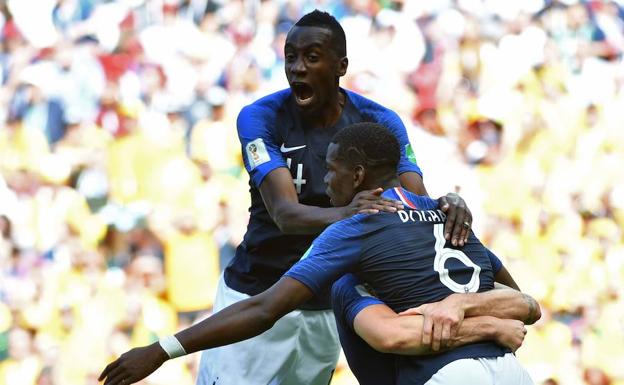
x,y
371,202
466,223
458,227
446,334
114,378
108,369
368,211
437,337
373,207
427,331
458,219
449,225
444,204
412,311
384,205
454,329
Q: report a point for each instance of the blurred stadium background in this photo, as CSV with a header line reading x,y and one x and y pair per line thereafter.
x,y
122,192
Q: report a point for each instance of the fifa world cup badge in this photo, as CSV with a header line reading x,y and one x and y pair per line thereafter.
x,y
257,153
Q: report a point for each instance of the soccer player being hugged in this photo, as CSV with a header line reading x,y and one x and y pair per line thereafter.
x,y
284,138
405,259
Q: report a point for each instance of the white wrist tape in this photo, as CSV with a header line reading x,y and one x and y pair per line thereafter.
x,y
172,346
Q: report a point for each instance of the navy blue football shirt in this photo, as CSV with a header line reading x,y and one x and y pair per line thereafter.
x,y
273,135
406,261
371,367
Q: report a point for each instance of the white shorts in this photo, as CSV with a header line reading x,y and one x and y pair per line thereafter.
x,y
505,370
301,348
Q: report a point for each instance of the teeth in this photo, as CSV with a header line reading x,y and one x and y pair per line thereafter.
x,y
302,91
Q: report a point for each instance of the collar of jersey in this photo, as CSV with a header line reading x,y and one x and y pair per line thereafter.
x,y
400,194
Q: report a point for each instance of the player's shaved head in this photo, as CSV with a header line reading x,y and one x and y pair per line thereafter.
x,y
370,145
322,19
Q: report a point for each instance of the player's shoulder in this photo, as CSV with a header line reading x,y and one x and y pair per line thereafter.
x,y
410,199
346,225
370,108
422,202
265,106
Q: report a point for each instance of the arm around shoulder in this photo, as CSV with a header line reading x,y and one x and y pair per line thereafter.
x,y
290,216
388,332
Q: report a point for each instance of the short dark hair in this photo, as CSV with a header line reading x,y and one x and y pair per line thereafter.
x,y
322,19
369,144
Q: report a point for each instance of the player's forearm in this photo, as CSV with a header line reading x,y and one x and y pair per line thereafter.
x,y
403,335
475,329
502,303
242,320
246,319
296,218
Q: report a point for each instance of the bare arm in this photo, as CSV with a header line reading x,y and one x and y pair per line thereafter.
x,y
388,332
240,321
292,217
503,302
413,182
503,276
443,318
245,319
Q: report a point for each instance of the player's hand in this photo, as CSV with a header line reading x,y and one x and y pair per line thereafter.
x,y
371,202
134,365
441,321
510,333
458,219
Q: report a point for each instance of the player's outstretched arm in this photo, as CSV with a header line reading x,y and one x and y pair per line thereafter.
x,y
387,332
458,215
292,217
240,321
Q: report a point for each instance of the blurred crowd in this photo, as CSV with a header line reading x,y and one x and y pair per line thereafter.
x,y
123,195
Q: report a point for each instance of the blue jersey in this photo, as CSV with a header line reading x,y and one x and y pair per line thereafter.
x,y
370,367
272,135
349,297
406,261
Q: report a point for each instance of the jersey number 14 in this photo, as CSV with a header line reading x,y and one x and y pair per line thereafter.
x,y
298,181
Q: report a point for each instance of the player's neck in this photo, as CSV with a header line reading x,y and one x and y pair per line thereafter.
x,y
385,183
330,114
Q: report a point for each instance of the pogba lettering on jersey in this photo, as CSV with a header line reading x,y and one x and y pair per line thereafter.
x,y
421,215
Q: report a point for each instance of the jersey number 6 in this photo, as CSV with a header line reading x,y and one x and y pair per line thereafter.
x,y
443,254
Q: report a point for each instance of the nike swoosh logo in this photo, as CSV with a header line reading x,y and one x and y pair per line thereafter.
x,y
289,149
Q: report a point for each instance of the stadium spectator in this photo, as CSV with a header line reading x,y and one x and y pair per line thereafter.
x,y
550,72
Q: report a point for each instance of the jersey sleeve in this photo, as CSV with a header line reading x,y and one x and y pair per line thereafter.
x,y
349,297
408,158
261,154
333,253
496,263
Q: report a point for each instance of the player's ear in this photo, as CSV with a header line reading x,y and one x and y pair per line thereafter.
x,y
359,175
342,67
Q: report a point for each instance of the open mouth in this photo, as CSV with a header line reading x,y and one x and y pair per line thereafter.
x,y
304,94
